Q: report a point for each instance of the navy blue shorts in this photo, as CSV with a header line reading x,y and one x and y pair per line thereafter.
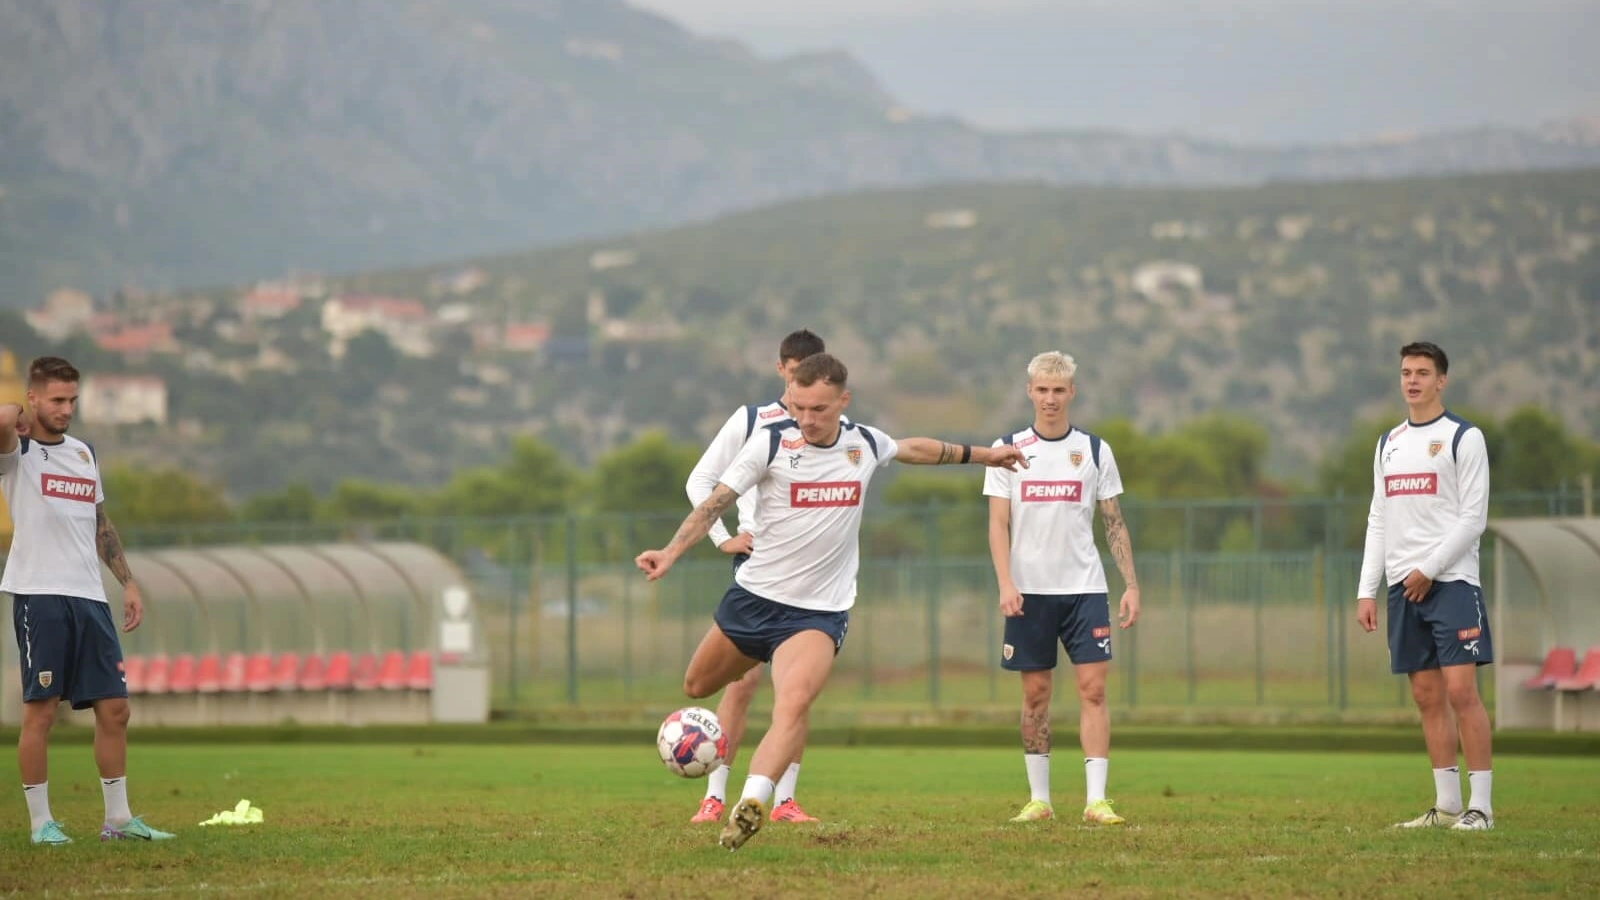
x,y
757,625
1448,628
1080,622
69,649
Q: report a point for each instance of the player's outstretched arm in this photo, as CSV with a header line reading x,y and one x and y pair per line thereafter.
x,y
1121,546
655,563
930,452
110,544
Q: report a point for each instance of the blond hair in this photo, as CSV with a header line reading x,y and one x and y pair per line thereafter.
x,y
1052,364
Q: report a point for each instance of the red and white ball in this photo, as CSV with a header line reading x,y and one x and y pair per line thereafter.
x,y
691,742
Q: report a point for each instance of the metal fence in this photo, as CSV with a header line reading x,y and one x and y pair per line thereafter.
x,y
1248,609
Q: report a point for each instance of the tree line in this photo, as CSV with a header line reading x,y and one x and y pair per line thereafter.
x,y
1220,456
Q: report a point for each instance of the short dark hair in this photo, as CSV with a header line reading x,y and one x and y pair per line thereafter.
x,y
800,345
46,369
1430,350
821,367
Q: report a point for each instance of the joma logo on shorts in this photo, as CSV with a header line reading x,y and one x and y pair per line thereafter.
x,y
68,488
1052,491
1402,485
826,493
1467,634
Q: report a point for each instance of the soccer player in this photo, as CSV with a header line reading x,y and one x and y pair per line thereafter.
x,y
1052,585
1430,504
789,605
65,634
734,708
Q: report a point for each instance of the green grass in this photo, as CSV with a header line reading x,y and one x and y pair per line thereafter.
x,y
457,820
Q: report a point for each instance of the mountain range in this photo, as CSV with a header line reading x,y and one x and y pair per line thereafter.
x,y
168,143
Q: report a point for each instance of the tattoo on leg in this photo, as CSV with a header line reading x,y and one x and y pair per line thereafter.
x,y
1035,732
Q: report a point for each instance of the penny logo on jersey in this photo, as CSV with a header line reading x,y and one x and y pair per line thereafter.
x,y
825,493
67,488
1052,492
1405,485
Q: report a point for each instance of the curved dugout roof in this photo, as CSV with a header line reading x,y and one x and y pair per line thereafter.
x,y
1562,556
304,597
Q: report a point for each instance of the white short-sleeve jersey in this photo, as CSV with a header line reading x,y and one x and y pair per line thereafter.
x,y
1430,503
52,490
1052,510
718,456
810,499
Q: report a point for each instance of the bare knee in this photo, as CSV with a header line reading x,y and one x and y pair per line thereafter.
x,y
1463,696
38,717
112,715
1430,696
1092,693
1036,693
698,687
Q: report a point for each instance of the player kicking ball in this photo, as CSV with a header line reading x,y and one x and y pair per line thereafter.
x,y
734,709
65,634
790,604
1052,585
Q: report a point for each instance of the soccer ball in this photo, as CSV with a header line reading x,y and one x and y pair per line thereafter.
x,y
691,742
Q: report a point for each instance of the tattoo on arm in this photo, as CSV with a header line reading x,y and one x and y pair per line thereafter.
x,y
1117,540
948,453
1035,732
699,522
105,537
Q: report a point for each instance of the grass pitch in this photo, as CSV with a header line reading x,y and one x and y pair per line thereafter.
x,y
463,820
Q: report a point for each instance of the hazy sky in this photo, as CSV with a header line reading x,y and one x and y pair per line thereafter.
x,y
731,15
1259,71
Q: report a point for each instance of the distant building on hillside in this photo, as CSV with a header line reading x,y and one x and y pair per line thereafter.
x,y
123,399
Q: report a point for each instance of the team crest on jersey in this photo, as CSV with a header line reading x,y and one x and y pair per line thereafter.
x,y
1077,458
46,679
83,455
854,455
1434,447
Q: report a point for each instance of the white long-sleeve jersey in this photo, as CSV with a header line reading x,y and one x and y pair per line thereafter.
x,y
1430,503
719,455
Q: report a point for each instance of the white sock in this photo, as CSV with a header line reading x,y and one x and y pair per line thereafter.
x,y
38,797
1038,775
758,787
1482,784
1447,790
116,793
717,783
1094,771
787,783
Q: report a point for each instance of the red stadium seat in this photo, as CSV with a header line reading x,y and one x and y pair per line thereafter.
x,y
392,673
339,671
233,673
1588,676
286,672
419,677
258,673
1559,663
209,679
314,673
155,674
181,681
366,673
133,673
